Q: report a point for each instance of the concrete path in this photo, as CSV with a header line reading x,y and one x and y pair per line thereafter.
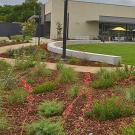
x,y
51,65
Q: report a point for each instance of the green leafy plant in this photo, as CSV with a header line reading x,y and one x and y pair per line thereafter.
x,y
129,130
45,87
73,92
17,96
67,75
50,108
44,127
110,108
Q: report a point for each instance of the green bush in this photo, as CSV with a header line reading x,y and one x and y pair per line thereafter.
x,y
67,75
45,87
73,92
129,130
50,108
4,66
110,108
44,127
17,96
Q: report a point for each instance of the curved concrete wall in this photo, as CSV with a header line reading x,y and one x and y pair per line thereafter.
x,y
56,47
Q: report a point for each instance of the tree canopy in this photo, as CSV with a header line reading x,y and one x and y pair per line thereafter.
x,y
19,13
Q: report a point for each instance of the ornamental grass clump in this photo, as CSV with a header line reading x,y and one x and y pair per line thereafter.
x,y
105,79
73,92
130,93
40,71
50,108
45,87
67,75
18,96
44,127
129,129
109,109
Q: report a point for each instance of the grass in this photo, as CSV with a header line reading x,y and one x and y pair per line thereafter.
x,y
109,109
126,51
44,127
50,108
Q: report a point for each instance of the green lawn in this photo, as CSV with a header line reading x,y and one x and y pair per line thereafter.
x,y
126,51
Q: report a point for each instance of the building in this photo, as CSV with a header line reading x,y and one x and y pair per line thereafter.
x,y
88,19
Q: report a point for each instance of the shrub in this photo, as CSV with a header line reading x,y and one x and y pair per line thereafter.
x,y
17,96
50,108
109,108
129,130
67,75
45,87
44,127
4,66
73,92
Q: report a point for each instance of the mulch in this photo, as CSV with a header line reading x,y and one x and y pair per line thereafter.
x,y
76,123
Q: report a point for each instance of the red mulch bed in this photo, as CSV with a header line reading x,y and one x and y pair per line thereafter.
x,y
76,123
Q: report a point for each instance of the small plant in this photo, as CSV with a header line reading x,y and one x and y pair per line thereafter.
x,y
105,79
24,63
73,60
102,84
73,92
129,130
110,108
130,93
59,66
44,127
40,71
17,96
67,75
4,66
45,87
4,124
50,108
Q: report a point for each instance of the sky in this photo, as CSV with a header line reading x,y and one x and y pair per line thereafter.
x,y
121,2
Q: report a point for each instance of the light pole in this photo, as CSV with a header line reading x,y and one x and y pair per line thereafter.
x,y
65,29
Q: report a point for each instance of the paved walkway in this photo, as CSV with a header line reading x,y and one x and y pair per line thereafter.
x,y
51,65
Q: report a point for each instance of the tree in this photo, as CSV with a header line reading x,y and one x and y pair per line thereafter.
x,y
29,28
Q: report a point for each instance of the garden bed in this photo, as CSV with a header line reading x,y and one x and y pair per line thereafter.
x,y
76,94
55,58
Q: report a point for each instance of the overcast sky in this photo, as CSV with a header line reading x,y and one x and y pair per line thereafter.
x,y
121,2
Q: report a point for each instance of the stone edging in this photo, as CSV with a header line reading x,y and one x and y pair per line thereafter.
x,y
56,47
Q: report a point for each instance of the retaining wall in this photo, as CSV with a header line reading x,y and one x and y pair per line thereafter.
x,y
56,47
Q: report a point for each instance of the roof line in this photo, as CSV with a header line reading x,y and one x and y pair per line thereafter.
x,y
102,3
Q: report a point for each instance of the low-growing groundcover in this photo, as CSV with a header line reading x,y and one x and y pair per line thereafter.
x,y
126,51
